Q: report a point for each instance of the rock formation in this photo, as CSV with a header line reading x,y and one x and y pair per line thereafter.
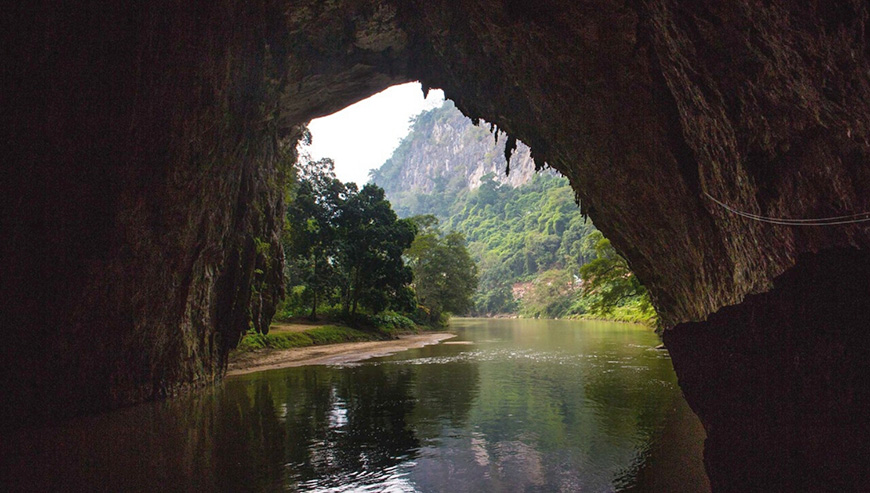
x,y
143,148
780,381
445,148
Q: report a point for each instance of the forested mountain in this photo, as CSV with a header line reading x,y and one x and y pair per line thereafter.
x,y
443,154
525,231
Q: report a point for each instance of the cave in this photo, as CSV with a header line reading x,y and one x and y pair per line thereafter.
x,y
722,146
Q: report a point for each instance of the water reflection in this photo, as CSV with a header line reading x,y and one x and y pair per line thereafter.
x,y
528,405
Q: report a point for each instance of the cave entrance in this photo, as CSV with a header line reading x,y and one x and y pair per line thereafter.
x,y
432,160
362,136
141,141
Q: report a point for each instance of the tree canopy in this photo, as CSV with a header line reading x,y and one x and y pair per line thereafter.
x,y
345,244
609,281
445,276
371,242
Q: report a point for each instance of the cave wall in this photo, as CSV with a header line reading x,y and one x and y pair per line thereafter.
x,y
134,199
145,148
780,381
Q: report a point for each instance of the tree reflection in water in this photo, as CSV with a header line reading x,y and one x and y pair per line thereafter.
x,y
527,405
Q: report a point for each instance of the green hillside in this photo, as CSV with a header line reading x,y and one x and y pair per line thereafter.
x,y
536,254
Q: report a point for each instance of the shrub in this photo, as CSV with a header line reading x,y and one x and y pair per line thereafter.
x,y
391,320
329,334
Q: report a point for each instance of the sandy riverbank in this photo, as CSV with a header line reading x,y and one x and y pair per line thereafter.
x,y
330,354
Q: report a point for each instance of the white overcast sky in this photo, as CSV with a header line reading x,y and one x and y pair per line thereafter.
x,y
364,135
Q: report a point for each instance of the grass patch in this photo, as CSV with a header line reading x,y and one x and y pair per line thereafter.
x,y
327,334
630,314
331,334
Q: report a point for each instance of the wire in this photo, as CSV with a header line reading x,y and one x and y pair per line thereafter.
x,y
822,221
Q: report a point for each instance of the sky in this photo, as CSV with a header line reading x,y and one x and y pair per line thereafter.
x,y
364,135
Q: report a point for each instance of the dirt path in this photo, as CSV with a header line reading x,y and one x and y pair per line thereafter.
x,y
293,327
330,354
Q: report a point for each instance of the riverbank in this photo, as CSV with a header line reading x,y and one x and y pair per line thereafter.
x,y
289,336
630,317
327,354
620,315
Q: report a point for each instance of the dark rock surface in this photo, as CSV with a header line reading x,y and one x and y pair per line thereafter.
x,y
647,106
143,148
781,380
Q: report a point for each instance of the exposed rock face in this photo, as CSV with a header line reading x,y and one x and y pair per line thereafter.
x,y
142,202
141,186
780,381
646,108
445,148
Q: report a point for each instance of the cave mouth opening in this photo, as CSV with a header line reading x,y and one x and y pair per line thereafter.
x,y
363,135
430,160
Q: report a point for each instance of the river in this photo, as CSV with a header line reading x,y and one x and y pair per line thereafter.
x,y
507,405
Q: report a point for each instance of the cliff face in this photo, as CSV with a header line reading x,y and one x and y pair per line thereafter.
x,y
780,381
142,148
444,148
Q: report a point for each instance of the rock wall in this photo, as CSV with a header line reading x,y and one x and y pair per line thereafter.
x,y
647,107
445,149
139,199
145,149
780,381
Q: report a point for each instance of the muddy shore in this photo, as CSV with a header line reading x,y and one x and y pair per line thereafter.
x,y
330,354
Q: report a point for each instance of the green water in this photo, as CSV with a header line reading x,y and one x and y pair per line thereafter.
x,y
507,405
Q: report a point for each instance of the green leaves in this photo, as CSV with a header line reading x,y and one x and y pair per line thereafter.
x,y
445,276
608,281
372,241
346,243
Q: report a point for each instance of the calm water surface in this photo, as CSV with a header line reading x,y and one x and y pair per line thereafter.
x,y
507,405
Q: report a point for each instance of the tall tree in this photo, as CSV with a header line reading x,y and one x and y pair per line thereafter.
x,y
445,276
608,279
311,242
372,240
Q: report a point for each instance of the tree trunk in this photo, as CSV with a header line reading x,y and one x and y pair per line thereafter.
x,y
355,290
313,315
346,299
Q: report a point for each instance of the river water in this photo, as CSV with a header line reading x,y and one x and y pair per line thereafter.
x,y
507,405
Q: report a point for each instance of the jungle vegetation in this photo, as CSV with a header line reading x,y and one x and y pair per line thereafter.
x,y
536,254
348,256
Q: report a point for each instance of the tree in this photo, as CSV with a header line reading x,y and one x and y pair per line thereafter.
x,y
345,241
445,276
550,295
498,299
609,281
311,242
371,242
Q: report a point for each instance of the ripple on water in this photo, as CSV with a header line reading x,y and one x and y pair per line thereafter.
x,y
502,355
389,479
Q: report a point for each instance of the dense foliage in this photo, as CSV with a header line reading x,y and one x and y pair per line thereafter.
x,y
311,243
445,276
346,251
345,245
537,255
